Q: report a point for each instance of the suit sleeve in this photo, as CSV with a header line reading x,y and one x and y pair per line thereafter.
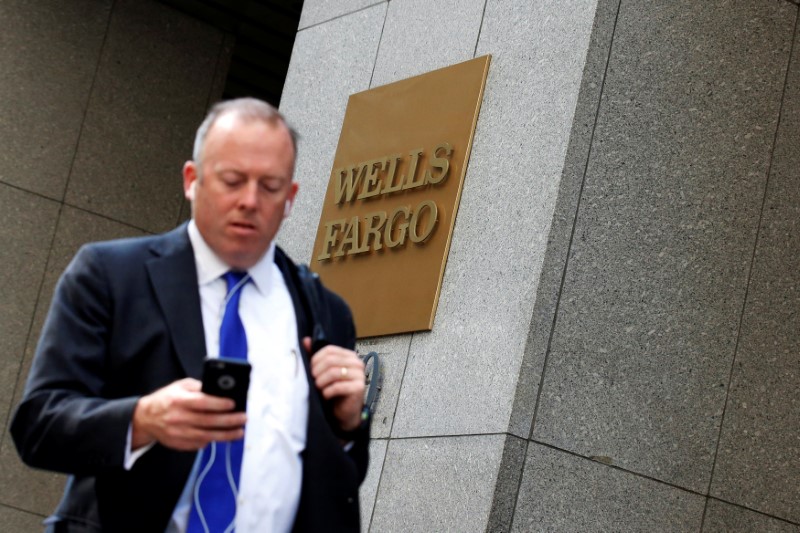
x,y
68,420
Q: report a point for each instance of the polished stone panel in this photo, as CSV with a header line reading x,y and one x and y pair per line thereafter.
x,y
152,88
562,492
319,11
722,517
563,220
35,491
16,521
461,377
658,266
329,63
26,232
438,484
507,485
369,488
392,355
75,228
758,463
29,489
48,59
416,28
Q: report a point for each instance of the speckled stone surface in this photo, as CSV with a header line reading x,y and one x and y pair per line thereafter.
x,y
151,92
723,517
28,223
16,521
507,485
392,356
369,488
75,228
329,63
48,59
318,11
563,221
420,36
438,484
758,464
461,377
561,492
35,491
658,266
22,487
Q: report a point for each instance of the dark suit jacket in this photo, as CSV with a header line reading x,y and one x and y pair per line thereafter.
x,y
125,320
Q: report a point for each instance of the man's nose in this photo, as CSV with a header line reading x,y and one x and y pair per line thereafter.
x,y
248,197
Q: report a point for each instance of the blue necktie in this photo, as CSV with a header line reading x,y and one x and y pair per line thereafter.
x,y
217,484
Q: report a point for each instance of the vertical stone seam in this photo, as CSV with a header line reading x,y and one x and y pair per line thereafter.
x,y
88,102
225,40
512,462
378,48
480,29
391,428
568,248
408,350
743,309
61,203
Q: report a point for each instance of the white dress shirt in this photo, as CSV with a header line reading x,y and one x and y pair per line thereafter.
x,y
277,401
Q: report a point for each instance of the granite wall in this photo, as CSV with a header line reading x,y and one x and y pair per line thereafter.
x,y
617,343
99,100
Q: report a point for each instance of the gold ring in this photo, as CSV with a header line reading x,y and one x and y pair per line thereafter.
x,y
344,372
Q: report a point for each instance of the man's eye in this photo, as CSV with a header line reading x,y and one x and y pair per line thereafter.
x,y
231,180
271,185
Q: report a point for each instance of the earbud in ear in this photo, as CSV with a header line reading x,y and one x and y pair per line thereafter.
x,y
287,208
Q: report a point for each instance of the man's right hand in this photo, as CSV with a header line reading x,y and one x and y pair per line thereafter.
x,y
182,417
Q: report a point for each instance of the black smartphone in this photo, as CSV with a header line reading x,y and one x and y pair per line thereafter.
x,y
229,378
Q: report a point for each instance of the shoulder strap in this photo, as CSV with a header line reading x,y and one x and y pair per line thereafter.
x,y
311,288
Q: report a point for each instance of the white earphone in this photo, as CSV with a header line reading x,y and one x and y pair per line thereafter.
x,y
287,208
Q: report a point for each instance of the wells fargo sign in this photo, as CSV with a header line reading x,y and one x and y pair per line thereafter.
x,y
393,194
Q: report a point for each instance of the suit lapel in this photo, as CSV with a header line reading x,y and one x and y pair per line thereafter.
x,y
173,275
289,272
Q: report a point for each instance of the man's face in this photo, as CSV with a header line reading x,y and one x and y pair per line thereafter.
x,y
239,203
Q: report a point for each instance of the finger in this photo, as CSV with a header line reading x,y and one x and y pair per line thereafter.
x,y
197,440
216,422
335,357
343,389
194,427
345,369
307,344
189,384
202,402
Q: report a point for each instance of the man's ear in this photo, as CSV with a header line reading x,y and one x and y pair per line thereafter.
x,y
189,180
287,207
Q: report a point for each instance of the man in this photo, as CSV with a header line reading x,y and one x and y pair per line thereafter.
x,y
113,397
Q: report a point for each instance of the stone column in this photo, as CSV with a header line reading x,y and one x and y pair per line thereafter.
x,y
615,346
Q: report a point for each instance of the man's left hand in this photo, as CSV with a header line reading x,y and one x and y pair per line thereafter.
x,y
339,375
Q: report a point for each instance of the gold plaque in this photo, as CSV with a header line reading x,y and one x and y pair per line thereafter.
x,y
393,194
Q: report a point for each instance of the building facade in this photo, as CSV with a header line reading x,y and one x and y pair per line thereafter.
x,y
617,341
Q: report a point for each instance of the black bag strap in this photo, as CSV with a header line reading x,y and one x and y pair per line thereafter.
x,y
311,287
310,284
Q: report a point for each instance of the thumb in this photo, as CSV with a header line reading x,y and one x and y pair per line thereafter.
x,y
307,344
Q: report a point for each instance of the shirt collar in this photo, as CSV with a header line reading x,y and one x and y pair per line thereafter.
x,y
210,267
